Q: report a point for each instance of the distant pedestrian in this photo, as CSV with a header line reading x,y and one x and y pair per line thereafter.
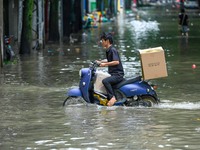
x,y
183,22
108,13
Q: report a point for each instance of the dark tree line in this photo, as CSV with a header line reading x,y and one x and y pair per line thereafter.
x,y
52,23
71,18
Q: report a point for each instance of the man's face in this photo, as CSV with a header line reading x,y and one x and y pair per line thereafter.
x,y
104,43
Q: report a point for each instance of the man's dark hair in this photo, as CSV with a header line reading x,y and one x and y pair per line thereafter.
x,y
107,36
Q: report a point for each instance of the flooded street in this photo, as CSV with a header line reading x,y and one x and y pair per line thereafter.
x,y
32,91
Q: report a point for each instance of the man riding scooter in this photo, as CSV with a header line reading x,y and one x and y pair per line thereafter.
x,y
115,68
105,89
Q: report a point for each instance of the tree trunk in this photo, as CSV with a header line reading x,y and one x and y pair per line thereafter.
x,y
78,15
60,20
1,34
6,17
26,37
46,18
87,6
41,23
20,15
66,17
53,21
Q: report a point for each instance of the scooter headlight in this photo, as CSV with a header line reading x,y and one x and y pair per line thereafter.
x,y
80,73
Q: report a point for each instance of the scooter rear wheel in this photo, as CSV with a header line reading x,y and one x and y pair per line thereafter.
x,y
73,101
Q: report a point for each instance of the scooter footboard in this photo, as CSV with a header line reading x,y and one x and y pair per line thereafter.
x,y
74,92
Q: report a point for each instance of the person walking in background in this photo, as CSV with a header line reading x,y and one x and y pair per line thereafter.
x,y
183,22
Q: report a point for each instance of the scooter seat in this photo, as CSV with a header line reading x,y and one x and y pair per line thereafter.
x,y
127,81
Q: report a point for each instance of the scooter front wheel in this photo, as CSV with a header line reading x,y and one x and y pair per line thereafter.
x,y
73,101
148,101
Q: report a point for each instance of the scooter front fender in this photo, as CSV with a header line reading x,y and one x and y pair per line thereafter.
x,y
74,92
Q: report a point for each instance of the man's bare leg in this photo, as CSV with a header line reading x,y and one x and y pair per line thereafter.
x,y
111,101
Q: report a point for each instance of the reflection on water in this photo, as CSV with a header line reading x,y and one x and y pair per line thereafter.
x,y
33,90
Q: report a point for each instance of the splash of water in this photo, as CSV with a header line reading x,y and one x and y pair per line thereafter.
x,y
143,28
180,105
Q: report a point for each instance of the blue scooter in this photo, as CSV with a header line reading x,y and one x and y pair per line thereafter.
x,y
129,92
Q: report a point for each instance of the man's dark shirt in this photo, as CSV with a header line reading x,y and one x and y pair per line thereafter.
x,y
183,19
113,55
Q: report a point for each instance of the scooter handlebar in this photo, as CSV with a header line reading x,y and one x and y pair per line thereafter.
x,y
94,65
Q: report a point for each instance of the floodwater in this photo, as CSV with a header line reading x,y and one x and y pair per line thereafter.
x,y
32,91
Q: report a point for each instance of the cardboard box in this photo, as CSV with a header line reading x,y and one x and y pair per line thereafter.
x,y
153,63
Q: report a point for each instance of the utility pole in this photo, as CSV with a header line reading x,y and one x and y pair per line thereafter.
x,y
60,20
20,15
1,34
41,23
